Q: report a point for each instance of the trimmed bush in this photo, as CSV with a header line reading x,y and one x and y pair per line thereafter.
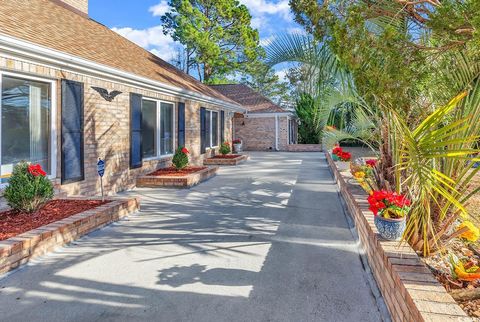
x,y
225,148
180,159
28,188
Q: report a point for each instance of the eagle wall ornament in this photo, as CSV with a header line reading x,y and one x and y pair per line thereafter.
x,y
105,94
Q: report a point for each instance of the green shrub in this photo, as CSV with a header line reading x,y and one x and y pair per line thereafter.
x,y
180,159
225,148
28,188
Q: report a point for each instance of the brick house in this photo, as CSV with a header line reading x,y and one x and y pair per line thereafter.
x,y
264,126
74,91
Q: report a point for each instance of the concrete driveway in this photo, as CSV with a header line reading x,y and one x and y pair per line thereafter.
x,y
264,241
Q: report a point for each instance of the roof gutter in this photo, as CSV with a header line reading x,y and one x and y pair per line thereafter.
x,y
57,59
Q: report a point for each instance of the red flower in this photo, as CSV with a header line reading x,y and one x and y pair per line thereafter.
x,y
226,143
382,199
371,163
237,141
344,156
36,170
184,150
337,150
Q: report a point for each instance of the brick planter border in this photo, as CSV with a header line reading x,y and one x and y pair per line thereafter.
x,y
410,290
186,181
303,148
233,161
20,249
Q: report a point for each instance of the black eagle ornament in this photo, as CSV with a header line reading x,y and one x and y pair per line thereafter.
x,y
105,94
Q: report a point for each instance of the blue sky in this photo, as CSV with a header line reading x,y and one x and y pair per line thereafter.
x,y
139,21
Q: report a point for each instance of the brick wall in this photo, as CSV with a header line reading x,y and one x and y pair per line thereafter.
x,y
409,289
258,133
106,129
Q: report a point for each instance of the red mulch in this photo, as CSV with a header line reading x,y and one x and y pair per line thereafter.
x,y
171,171
14,223
226,156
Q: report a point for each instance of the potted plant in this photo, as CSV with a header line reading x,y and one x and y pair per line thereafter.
x,y
390,210
237,145
341,158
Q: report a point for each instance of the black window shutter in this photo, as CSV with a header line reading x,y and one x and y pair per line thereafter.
x,y
222,127
135,131
181,124
72,163
203,128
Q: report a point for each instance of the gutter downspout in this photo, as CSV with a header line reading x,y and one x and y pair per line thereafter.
x,y
276,132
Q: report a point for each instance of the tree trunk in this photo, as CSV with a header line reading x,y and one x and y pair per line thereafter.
x,y
207,73
466,294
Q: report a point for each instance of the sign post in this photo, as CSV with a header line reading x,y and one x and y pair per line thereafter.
x,y
101,172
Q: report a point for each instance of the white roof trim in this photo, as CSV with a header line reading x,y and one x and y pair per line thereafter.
x,y
40,54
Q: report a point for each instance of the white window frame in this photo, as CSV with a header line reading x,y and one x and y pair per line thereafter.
x,y
158,102
53,118
210,143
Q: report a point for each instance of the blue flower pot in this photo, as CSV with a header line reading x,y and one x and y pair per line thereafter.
x,y
390,229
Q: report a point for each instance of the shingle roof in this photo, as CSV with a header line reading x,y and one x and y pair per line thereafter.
x,y
48,24
253,101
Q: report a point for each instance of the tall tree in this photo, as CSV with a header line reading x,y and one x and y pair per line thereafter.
x,y
183,59
392,47
263,79
218,35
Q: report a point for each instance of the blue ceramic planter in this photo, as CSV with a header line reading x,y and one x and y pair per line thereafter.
x,y
390,229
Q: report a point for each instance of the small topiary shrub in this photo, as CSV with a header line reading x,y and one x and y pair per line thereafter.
x,y
28,188
225,148
180,159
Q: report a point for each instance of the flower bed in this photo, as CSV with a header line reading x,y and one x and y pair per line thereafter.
x,y
65,220
170,177
227,159
410,290
13,223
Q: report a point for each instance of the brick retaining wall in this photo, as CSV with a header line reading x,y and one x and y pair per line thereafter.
x,y
304,148
226,161
410,290
19,250
186,181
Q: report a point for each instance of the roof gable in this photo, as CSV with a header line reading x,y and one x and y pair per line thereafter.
x,y
45,23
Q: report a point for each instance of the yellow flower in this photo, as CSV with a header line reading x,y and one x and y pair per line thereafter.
x,y
359,175
472,234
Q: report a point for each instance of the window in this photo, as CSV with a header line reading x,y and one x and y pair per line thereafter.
x,y
211,129
26,126
149,129
157,128
214,129
166,128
